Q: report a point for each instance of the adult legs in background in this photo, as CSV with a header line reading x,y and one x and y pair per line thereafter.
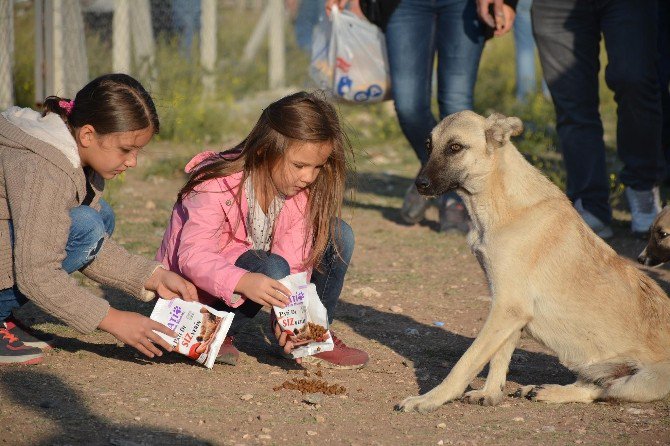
x,y
567,34
632,29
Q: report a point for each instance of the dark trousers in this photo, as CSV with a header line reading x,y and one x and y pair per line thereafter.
x,y
567,34
328,277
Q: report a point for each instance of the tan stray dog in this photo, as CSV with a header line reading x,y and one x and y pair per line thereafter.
x,y
657,251
550,276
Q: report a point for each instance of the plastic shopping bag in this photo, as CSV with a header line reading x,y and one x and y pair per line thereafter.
x,y
200,329
303,312
349,59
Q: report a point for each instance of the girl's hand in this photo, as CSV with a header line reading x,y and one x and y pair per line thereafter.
x,y
284,339
137,331
502,19
169,285
263,290
354,7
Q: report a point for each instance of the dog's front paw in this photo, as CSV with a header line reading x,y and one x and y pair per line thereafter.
x,y
482,398
528,392
421,404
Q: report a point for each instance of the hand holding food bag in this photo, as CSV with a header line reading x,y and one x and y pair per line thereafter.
x,y
349,58
304,318
200,329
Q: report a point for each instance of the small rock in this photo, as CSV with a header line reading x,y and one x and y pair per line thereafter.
x,y
441,442
245,436
150,205
264,437
438,323
311,433
313,398
266,430
137,418
411,332
396,309
579,441
635,411
143,400
366,291
246,397
519,419
320,419
548,429
201,422
442,426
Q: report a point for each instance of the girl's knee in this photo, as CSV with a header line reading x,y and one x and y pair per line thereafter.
x,y
344,238
276,267
108,218
87,225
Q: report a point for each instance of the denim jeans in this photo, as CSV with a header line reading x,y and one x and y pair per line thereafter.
x,y
567,33
416,32
664,75
328,278
87,232
524,47
309,12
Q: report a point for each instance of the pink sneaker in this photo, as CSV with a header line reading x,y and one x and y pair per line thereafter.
x,y
228,354
341,357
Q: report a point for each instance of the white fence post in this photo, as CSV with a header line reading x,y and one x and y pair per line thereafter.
x,y
277,63
143,41
208,45
121,37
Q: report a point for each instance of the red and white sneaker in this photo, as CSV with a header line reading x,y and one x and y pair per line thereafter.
x,y
27,335
228,354
13,351
341,357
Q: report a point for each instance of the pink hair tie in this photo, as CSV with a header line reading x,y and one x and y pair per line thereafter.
x,y
67,106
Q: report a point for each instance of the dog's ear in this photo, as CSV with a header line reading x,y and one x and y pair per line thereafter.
x,y
499,129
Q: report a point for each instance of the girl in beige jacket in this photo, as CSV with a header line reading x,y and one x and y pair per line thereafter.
x,y
53,220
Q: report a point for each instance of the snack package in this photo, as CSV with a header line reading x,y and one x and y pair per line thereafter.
x,y
200,329
304,317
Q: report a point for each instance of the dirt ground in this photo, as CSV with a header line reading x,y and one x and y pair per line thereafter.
x,y
414,300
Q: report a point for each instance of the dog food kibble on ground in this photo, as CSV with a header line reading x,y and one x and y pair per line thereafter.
x,y
305,385
311,331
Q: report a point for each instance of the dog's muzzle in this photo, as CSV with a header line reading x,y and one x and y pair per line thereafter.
x,y
423,185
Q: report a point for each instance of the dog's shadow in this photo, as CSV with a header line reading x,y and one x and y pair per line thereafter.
x,y
434,350
51,399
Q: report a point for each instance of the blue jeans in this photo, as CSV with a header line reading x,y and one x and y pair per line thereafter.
x,y
417,31
524,46
186,19
308,16
328,277
87,232
567,33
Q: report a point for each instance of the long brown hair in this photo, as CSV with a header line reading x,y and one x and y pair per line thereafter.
x,y
110,103
300,117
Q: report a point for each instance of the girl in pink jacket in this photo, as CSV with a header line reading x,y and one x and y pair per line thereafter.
x,y
265,209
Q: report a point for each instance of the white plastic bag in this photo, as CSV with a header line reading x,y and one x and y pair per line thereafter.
x,y
200,329
349,59
304,307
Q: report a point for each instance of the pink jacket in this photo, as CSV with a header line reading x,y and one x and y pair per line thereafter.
x,y
207,233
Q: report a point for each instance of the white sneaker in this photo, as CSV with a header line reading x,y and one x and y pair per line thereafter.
x,y
597,225
644,207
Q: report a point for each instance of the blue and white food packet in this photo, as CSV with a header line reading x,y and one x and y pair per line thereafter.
x,y
200,329
304,307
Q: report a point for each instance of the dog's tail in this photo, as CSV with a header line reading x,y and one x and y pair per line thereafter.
x,y
629,380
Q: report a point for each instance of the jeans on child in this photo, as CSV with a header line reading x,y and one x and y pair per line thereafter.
x,y
329,280
87,232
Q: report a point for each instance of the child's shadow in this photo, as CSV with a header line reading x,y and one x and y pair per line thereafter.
x,y
434,351
53,400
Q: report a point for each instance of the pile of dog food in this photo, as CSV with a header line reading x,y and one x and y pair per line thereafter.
x,y
312,385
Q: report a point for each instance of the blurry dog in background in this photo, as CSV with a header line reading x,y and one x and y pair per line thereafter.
x,y
550,277
657,251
